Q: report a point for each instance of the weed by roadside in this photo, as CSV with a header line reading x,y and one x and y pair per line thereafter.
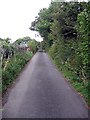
x,y
79,85
13,68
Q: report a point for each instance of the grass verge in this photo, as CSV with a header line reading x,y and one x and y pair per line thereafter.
x,y
74,80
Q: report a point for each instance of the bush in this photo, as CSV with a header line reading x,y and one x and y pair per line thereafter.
x,y
13,68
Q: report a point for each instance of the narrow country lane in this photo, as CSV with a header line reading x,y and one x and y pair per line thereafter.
x,y
42,92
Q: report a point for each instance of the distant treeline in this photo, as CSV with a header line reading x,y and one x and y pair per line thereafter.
x,y
8,49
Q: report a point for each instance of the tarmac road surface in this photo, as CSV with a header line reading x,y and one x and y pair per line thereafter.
x,y
42,92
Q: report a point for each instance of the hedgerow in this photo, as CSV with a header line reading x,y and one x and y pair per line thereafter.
x,y
13,68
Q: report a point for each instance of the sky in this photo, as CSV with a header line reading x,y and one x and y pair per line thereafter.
x,y
16,17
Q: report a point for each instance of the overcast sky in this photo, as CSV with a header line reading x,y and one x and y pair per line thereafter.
x,y
16,17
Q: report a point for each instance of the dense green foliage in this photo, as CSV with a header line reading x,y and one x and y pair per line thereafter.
x,y
33,45
14,56
14,66
65,30
6,48
24,39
